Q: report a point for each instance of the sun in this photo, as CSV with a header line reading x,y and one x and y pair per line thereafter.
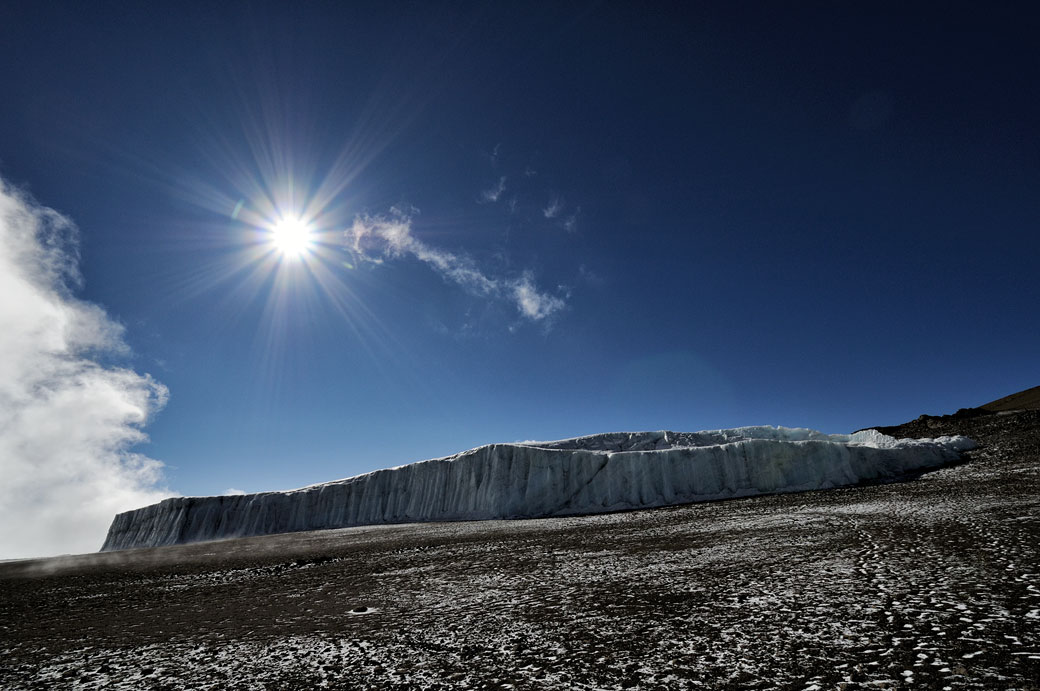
x,y
292,237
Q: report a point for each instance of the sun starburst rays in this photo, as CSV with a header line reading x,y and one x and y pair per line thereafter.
x,y
292,236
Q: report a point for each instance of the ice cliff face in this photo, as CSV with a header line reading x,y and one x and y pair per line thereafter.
x,y
594,474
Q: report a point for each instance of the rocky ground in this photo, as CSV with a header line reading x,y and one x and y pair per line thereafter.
x,y
931,583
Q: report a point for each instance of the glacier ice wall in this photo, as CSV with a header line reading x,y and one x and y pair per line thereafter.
x,y
593,474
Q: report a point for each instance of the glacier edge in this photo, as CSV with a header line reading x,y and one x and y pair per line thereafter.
x,y
593,474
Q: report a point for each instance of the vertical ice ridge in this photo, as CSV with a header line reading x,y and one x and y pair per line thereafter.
x,y
566,503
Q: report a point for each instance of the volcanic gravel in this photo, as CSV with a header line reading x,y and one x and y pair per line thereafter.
x,y
930,583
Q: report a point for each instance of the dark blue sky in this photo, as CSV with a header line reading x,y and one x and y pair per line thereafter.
x,y
737,213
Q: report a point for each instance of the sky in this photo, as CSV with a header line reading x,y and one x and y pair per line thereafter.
x,y
522,221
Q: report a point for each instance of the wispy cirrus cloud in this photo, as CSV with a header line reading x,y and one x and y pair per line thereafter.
x,y
570,224
493,194
532,303
376,238
68,421
554,208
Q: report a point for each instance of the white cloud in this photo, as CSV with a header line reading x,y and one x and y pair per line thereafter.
x,y
570,224
233,491
68,423
373,238
494,193
554,208
533,304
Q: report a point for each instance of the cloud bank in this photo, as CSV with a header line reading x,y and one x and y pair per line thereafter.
x,y
375,238
68,422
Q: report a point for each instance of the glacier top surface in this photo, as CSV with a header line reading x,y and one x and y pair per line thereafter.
x,y
663,440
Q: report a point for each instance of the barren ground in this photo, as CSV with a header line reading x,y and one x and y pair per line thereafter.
x,y
929,583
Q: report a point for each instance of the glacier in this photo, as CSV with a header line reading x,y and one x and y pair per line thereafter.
x,y
585,475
